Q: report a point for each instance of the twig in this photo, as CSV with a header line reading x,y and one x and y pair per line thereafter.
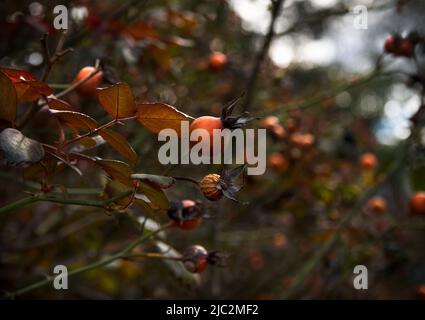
x,y
96,130
102,262
250,89
186,179
328,14
152,255
81,202
50,61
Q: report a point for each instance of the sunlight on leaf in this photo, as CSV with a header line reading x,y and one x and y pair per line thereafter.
x,y
158,116
117,100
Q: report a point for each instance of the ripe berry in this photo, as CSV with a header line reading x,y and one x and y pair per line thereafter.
x,y
207,123
278,162
390,44
217,61
368,161
210,187
195,259
278,132
89,87
376,205
186,214
303,140
417,204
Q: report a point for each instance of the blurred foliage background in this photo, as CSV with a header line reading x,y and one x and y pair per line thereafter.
x,y
319,77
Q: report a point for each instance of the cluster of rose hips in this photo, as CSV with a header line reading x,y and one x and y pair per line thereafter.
x,y
377,204
188,214
288,133
402,46
216,62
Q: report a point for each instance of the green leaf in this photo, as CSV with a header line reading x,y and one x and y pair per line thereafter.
x,y
117,170
162,182
154,194
115,188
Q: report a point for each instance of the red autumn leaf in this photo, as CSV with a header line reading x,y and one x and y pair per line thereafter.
x,y
75,120
158,116
118,100
8,99
57,104
27,87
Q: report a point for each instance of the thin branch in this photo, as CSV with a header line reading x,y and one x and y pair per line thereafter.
x,y
81,202
186,179
50,61
102,262
319,16
252,80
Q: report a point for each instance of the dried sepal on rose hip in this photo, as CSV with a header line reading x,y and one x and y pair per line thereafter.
x,y
196,259
214,186
233,122
186,214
